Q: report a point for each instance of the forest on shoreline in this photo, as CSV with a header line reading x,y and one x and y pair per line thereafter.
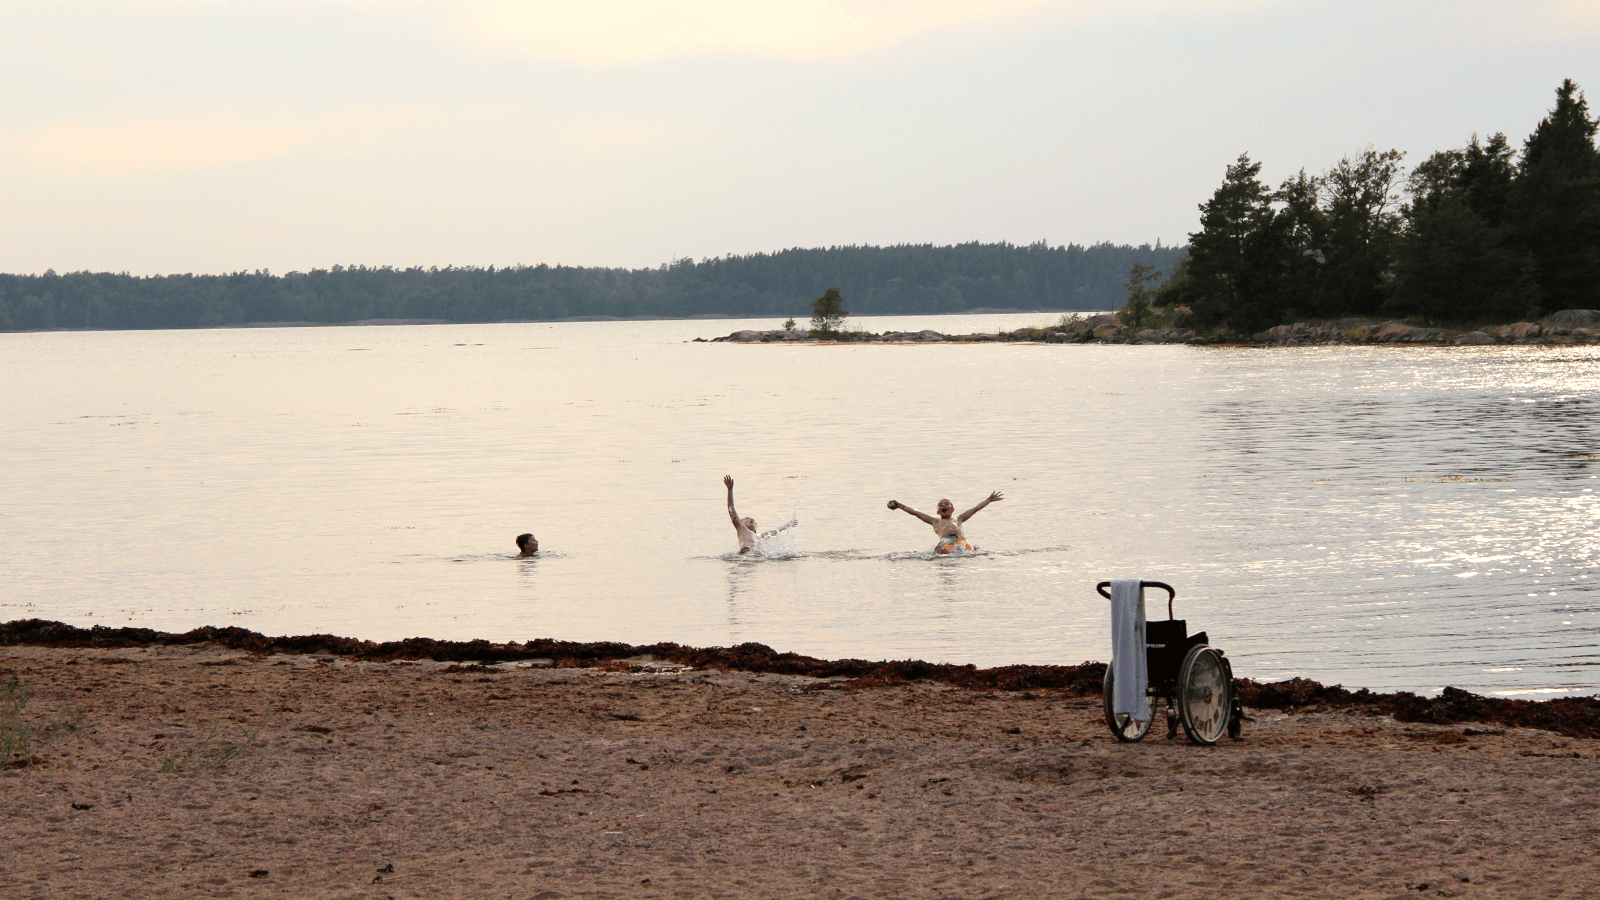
x,y
905,279
1476,236
1479,235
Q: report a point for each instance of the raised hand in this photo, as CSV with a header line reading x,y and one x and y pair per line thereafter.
x,y
996,495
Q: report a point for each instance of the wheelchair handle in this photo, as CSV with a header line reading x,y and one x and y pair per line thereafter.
x,y
1171,594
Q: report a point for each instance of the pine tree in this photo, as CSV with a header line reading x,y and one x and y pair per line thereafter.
x,y
1555,204
828,312
1142,282
1304,227
1455,263
1361,204
1237,258
1456,268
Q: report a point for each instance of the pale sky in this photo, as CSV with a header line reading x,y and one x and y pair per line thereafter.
x,y
159,136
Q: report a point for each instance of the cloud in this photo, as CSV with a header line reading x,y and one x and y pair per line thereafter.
x,y
156,145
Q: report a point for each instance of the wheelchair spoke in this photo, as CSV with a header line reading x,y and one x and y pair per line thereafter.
x,y
1205,695
1123,725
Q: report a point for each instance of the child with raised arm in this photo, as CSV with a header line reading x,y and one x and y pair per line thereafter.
x,y
948,528
745,527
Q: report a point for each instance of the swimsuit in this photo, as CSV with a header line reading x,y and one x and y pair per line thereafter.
x,y
950,543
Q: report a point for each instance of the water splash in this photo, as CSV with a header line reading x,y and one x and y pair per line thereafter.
x,y
934,555
494,557
893,556
783,542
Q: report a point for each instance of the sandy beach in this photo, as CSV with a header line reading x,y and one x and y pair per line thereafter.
x,y
207,771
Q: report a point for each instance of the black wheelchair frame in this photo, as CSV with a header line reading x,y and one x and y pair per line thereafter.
x,y
1185,671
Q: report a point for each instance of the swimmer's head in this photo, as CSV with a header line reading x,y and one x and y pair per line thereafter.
x,y
527,543
946,508
749,523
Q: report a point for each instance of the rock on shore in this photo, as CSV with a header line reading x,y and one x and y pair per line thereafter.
x,y
1102,329
1571,326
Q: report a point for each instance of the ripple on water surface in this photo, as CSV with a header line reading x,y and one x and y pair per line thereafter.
x,y
1380,517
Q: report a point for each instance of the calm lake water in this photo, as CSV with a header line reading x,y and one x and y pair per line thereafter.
x,y
1393,518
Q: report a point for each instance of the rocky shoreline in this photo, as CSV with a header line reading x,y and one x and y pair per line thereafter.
x,y
1572,326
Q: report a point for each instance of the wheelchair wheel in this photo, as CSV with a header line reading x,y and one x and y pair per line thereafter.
x,y
1205,695
1124,726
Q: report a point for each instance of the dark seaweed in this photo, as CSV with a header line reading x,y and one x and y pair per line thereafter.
x,y
1571,716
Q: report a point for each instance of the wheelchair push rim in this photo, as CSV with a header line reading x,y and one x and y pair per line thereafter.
x,y
1205,695
1124,726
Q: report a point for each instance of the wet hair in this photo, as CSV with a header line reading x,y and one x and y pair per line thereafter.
x,y
523,540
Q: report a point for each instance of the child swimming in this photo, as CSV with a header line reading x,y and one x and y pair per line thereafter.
x,y
745,527
949,529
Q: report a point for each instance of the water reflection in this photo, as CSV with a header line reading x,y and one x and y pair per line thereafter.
x,y
1388,518
1449,490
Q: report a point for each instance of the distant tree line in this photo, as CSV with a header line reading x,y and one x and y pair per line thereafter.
x,y
905,279
1476,235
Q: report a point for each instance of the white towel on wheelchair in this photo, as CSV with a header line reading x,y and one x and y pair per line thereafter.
x,y
1130,672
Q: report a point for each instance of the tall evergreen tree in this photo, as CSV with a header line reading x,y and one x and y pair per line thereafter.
x,y
1555,203
1361,203
1455,264
1453,267
1237,258
1486,173
1304,229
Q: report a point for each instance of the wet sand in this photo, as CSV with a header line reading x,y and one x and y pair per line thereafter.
x,y
200,770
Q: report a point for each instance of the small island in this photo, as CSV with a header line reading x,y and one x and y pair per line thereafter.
x,y
1475,246
1572,326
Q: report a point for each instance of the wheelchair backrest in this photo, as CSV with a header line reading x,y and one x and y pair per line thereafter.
x,y
1165,643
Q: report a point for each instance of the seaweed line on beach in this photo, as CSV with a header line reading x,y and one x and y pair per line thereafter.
x,y
1570,716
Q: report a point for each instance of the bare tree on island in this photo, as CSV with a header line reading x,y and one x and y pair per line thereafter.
x,y
828,312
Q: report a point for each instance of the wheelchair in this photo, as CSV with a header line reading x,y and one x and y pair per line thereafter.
x,y
1182,668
